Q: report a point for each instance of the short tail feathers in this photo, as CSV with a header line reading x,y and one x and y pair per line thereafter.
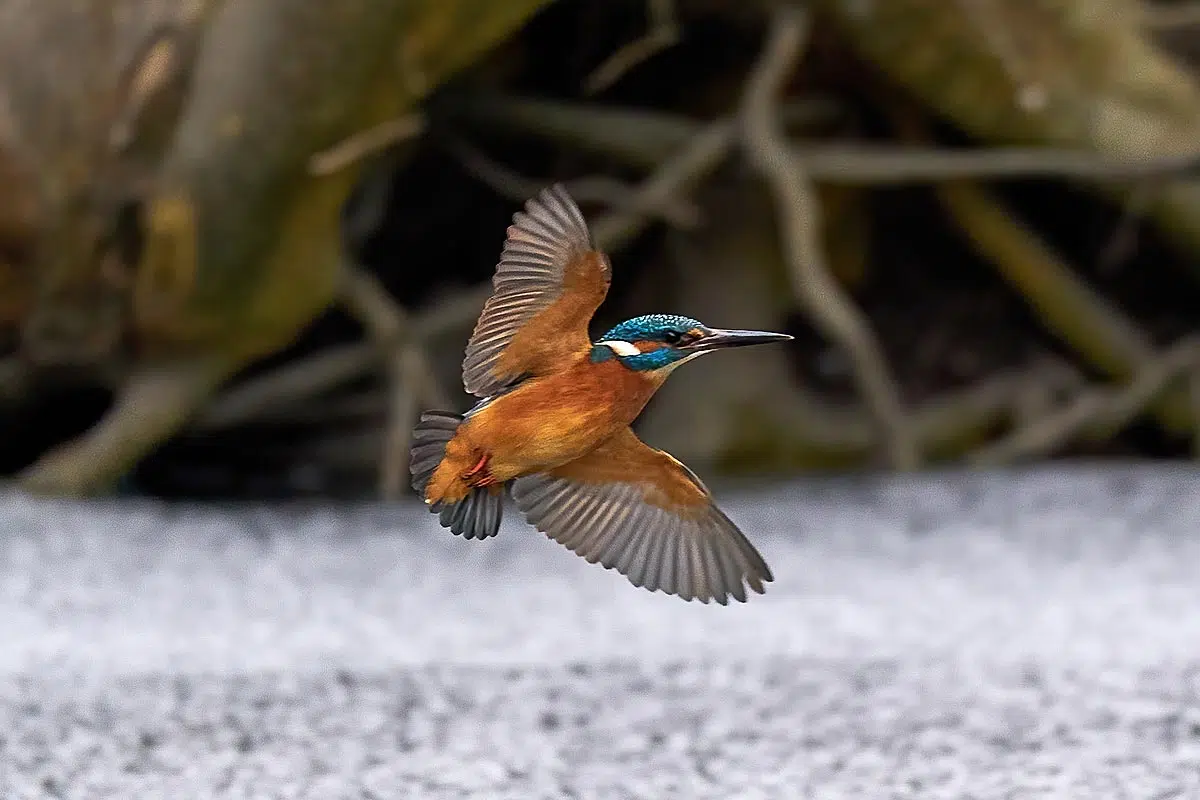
x,y
478,515
430,437
475,517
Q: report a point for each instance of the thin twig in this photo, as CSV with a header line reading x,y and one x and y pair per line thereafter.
x,y
642,138
799,218
663,34
1123,240
696,159
699,157
878,166
279,393
451,315
410,375
366,143
637,137
1095,328
611,192
390,328
286,386
1096,412
951,423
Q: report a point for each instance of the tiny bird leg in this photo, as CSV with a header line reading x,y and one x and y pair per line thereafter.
x,y
479,475
480,465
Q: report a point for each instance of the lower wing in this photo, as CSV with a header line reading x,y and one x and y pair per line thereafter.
x,y
643,513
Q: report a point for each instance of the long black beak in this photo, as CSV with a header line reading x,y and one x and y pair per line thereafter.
x,y
717,339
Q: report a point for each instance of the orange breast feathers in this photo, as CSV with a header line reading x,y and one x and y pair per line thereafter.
x,y
546,422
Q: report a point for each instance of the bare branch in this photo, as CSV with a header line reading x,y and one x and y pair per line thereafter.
x,y
286,386
1094,327
699,157
663,34
410,375
799,217
677,211
1095,412
642,138
878,166
453,314
153,403
366,143
639,137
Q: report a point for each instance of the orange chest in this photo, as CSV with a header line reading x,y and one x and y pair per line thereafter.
x,y
549,421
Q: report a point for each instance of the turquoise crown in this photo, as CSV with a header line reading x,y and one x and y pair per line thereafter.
x,y
647,328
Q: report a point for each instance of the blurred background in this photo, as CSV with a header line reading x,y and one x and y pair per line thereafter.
x,y
242,244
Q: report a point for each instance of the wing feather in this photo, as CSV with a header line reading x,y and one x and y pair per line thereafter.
x,y
641,512
640,563
548,283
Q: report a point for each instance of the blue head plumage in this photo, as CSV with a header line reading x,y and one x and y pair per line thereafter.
x,y
667,329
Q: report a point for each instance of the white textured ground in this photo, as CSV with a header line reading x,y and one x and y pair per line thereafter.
x,y
987,636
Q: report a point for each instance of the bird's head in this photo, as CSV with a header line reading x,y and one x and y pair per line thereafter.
x,y
658,343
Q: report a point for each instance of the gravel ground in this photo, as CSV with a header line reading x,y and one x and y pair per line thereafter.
x,y
1014,635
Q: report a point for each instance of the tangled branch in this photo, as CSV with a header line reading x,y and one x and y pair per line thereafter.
x,y
1095,412
410,375
1035,411
663,33
799,213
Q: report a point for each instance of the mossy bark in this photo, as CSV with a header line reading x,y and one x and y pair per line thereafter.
x,y
241,245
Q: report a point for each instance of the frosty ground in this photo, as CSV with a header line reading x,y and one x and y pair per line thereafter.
x,y
987,635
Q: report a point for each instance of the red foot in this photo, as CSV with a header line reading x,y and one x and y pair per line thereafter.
x,y
478,475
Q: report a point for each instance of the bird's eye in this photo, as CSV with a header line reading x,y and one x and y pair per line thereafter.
x,y
672,337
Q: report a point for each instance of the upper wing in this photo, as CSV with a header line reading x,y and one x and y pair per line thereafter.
x,y
549,282
641,512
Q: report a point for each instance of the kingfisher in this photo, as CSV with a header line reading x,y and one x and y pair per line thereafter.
x,y
552,423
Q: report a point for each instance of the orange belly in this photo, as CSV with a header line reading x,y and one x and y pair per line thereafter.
x,y
538,426
543,423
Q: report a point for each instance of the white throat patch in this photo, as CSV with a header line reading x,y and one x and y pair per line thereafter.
x,y
621,348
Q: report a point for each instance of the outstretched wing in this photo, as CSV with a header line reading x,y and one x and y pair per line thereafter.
x,y
549,282
641,512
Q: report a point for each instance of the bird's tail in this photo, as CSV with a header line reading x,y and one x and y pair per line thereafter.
x,y
476,516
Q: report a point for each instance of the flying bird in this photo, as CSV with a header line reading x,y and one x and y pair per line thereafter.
x,y
553,422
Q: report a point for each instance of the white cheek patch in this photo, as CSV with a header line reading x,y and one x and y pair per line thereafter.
x,y
622,348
